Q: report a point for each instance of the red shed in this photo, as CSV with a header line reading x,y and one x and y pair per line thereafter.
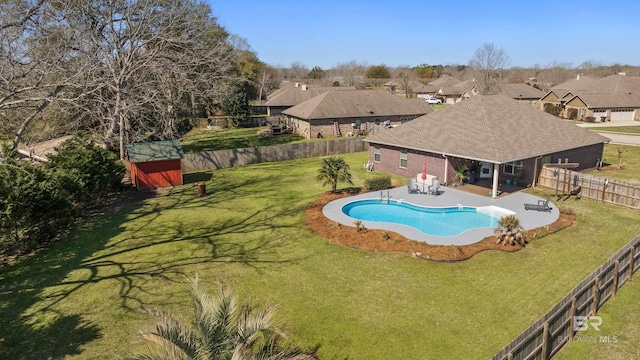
x,y
155,164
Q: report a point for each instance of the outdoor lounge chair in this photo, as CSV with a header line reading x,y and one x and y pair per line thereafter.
x,y
412,186
434,189
542,205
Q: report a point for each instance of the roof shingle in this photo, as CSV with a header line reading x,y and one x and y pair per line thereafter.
x,y
491,128
357,103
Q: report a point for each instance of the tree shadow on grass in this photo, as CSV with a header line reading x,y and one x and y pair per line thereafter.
x,y
65,336
131,245
27,333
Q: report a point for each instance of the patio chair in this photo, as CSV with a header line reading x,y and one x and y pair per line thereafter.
x,y
434,189
412,186
542,205
369,165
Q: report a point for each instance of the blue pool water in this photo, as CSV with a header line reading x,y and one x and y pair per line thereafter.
x,y
448,221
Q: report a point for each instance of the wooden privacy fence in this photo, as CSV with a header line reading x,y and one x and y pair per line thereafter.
x,y
219,159
549,333
592,187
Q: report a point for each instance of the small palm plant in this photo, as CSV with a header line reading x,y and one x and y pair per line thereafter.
x,y
333,170
510,232
461,173
221,328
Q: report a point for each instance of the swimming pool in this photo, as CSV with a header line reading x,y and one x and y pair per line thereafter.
x,y
437,221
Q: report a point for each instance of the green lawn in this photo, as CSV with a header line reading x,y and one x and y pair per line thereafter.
x,y
628,130
84,298
630,163
208,140
617,338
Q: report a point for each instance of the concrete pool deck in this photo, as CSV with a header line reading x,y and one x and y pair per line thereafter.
x,y
529,219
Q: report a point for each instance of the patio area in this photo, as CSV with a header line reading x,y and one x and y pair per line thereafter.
x,y
483,187
467,195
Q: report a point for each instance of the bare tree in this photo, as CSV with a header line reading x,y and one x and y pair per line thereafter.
x,y
153,59
268,80
297,70
621,151
554,73
349,73
35,64
406,78
488,62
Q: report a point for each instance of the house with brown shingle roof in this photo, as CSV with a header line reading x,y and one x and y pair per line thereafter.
x,y
500,137
416,88
456,93
520,91
615,97
339,113
517,91
294,95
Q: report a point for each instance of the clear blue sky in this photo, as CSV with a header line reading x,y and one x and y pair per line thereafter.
x,y
410,32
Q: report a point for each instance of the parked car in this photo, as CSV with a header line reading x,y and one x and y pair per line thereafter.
x,y
433,101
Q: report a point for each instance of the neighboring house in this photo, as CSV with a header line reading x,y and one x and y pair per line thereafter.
x,y
338,113
155,164
500,137
520,92
417,88
294,95
455,93
615,97
444,82
517,91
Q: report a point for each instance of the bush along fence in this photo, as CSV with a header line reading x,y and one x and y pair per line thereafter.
x,y
558,326
219,159
565,181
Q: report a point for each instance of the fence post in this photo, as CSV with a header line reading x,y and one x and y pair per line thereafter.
x,y
545,341
572,314
604,189
509,356
616,268
596,293
632,255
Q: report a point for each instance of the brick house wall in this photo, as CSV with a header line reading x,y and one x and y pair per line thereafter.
x,y
310,129
390,162
586,156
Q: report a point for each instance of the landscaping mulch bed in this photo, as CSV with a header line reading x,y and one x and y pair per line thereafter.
x,y
376,240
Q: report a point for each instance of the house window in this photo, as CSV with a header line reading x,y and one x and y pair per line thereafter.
x,y
513,167
403,159
376,154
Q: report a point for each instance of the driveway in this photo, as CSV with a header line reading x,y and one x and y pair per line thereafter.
x,y
616,138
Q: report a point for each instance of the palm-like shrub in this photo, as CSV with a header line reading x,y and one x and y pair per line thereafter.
x,y
510,232
220,329
462,172
333,170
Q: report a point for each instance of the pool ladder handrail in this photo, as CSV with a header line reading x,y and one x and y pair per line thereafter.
x,y
382,197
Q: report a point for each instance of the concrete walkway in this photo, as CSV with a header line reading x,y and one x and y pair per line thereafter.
x,y
448,197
